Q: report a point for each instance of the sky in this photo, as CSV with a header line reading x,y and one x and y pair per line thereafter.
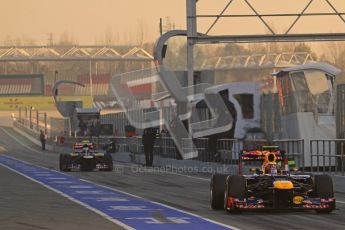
x,y
88,21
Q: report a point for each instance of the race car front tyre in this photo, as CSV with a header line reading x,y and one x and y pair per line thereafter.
x,y
217,188
66,160
61,161
235,188
323,188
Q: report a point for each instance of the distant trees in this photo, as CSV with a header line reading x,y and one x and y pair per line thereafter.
x,y
176,56
334,53
18,41
67,38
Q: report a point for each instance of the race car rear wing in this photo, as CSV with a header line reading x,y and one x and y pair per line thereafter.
x,y
259,155
79,146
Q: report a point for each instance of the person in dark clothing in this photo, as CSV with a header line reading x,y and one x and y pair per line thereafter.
x,y
212,148
82,127
213,139
97,128
43,139
92,130
110,147
149,138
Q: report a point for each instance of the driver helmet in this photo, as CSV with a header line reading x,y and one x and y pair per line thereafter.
x,y
85,148
271,169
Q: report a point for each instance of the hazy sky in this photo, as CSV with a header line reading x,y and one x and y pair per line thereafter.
x,y
90,20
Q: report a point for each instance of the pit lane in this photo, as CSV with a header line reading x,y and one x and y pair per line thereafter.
x,y
188,193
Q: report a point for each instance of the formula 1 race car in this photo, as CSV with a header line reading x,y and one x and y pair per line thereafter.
x,y
272,186
85,158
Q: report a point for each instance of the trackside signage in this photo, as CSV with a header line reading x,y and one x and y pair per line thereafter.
x,y
119,207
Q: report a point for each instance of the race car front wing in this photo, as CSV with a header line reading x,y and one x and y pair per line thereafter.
x,y
255,203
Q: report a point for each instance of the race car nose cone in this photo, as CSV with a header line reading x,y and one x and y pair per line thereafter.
x,y
282,184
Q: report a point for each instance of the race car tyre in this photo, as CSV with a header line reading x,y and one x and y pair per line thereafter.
x,y
67,159
61,161
108,160
235,188
217,187
323,188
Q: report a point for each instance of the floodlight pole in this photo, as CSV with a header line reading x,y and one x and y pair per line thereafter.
x,y
191,33
90,75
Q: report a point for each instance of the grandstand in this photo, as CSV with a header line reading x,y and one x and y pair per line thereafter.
x,y
100,85
21,85
15,80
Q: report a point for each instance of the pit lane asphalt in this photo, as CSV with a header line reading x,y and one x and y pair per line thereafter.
x,y
25,205
187,193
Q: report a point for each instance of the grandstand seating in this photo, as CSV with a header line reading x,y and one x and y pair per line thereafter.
x,y
14,86
21,85
100,85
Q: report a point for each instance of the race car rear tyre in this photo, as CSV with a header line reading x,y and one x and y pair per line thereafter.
x,y
235,188
108,160
323,188
217,188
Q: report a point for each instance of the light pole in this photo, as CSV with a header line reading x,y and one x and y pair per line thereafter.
x,y
20,114
44,121
37,120
55,75
26,116
30,116
90,75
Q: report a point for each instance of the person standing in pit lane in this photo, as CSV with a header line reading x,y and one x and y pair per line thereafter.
x,y
149,138
43,139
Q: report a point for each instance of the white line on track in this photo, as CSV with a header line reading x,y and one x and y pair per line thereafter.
x,y
120,191
14,138
71,198
113,189
164,205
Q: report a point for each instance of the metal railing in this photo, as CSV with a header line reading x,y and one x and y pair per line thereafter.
x,y
33,118
327,156
294,150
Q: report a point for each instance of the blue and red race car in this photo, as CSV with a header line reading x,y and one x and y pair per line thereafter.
x,y
271,186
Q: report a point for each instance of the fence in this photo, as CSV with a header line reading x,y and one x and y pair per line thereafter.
x,y
119,120
33,118
327,156
294,150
